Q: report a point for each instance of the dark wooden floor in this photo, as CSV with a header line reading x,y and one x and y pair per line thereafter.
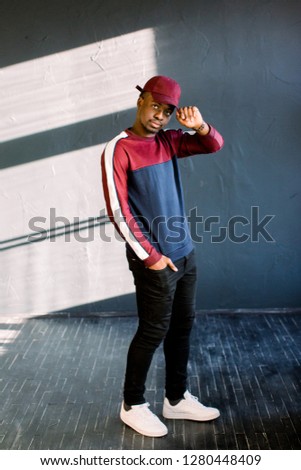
x,y
61,383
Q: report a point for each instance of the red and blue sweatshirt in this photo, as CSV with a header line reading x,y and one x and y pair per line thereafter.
x,y
143,190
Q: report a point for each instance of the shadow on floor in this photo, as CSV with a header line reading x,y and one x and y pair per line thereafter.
x,y
61,383
123,305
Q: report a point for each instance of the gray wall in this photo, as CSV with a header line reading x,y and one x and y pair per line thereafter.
x,y
69,72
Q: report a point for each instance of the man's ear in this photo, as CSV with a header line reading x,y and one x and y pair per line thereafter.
x,y
140,101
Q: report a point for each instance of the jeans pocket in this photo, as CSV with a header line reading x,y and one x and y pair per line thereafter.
x,y
158,271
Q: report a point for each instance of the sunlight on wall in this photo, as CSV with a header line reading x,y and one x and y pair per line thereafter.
x,y
46,93
75,85
67,270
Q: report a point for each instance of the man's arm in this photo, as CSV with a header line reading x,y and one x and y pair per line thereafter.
x,y
206,139
114,178
190,117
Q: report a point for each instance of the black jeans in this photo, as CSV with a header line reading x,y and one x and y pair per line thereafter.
x,y
166,311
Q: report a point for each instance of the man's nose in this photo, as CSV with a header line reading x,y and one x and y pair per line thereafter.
x,y
159,114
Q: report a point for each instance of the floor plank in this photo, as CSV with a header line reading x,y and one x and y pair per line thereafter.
x,y
61,383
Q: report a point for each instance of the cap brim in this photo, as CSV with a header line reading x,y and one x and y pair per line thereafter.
x,y
159,97
164,99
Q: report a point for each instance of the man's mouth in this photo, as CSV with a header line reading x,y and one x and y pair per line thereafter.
x,y
156,124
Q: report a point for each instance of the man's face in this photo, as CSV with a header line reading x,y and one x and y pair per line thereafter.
x,y
151,115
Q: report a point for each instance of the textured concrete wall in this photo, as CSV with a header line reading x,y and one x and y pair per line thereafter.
x,y
68,85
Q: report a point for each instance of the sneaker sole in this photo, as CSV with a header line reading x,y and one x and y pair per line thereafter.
x,y
189,417
144,433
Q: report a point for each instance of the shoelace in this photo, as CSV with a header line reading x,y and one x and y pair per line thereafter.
x,y
193,397
145,407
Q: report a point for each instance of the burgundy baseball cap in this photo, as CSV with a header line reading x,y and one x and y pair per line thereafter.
x,y
164,89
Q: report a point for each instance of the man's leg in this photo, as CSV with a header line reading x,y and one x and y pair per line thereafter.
x,y
177,341
154,293
179,403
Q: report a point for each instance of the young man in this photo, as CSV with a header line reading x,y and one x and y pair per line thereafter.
x,y
143,194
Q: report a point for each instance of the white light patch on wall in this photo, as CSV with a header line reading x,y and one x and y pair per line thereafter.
x,y
67,270
75,85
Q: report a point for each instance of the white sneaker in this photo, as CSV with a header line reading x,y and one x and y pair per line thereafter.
x,y
189,408
141,419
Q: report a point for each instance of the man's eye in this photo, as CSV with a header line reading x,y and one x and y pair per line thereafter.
x,y
167,113
155,106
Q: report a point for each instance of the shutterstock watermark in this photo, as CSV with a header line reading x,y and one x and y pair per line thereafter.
x,y
237,229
